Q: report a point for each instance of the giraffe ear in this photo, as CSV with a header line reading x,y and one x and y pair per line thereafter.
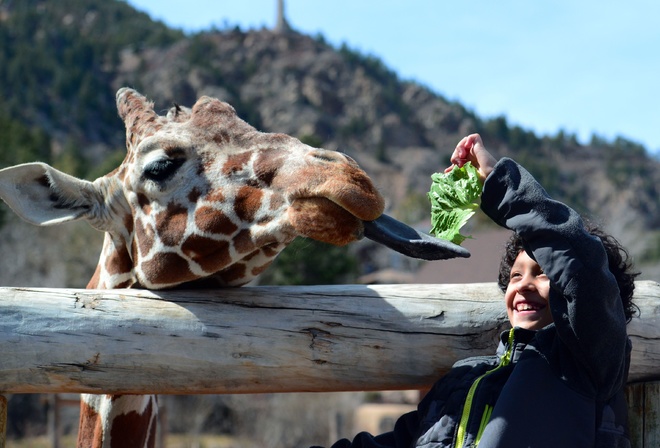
x,y
44,196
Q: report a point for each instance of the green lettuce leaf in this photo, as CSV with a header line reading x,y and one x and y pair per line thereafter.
x,y
454,198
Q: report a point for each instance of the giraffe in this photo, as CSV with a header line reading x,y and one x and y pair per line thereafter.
x,y
202,199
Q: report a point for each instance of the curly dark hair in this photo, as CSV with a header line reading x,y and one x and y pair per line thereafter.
x,y
619,260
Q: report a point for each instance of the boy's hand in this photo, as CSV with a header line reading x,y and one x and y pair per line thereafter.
x,y
472,149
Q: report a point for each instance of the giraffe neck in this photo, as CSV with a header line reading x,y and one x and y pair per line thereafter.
x,y
115,267
118,421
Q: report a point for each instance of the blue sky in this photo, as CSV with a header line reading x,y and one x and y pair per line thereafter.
x,y
582,66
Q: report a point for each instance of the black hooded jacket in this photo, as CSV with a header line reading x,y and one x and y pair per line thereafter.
x,y
561,386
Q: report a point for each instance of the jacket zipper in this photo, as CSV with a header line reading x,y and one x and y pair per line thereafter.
x,y
461,433
485,418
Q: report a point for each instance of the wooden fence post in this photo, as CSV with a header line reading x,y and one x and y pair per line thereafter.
x,y
3,421
53,420
644,414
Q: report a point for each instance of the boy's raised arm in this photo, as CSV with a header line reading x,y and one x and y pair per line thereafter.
x,y
584,299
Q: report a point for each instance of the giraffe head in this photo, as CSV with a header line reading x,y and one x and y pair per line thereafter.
x,y
202,194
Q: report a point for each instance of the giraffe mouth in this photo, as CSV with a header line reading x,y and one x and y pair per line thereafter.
x,y
408,241
323,220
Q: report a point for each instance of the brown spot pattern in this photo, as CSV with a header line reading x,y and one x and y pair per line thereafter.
x,y
247,203
236,162
90,431
214,221
267,164
194,195
211,255
233,273
243,242
128,429
144,203
276,202
96,278
201,168
167,267
216,196
171,224
135,254
118,263
271,250
221,137
260,269
128,223
143,235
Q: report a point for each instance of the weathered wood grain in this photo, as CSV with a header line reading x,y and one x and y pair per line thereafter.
x,y
261,339
644,414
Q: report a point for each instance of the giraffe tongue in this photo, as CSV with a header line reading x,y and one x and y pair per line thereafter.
x,y
408,241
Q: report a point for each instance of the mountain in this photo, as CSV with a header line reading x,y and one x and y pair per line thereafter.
x,y
62,62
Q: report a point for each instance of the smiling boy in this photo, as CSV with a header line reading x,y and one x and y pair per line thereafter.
x,y
526,296
558,377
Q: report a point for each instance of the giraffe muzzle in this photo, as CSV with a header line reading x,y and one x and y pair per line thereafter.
x,y
410,242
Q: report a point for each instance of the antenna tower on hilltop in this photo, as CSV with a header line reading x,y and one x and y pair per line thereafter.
x,y
281,24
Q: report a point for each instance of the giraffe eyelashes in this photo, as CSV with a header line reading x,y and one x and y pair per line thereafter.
x,y
162,169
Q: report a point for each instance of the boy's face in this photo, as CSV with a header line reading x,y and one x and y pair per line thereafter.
x,y
526,297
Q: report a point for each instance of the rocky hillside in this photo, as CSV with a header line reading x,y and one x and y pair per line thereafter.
x,y
61,62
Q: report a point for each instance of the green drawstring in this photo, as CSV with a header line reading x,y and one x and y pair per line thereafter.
x,y
461,433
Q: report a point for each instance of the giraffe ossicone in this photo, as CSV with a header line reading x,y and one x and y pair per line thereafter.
x,y
203,199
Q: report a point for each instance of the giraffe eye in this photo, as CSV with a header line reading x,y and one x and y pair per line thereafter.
x,y
162,169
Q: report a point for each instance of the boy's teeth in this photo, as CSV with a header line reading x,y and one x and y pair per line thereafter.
x,y
526,307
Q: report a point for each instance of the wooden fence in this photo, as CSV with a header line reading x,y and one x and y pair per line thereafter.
x,y
274,339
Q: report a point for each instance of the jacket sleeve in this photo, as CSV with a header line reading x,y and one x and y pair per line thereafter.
x,y
584,298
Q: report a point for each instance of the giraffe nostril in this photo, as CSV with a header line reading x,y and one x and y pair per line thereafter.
x,y
328,156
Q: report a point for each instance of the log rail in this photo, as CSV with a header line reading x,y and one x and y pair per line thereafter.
x,y
264,339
